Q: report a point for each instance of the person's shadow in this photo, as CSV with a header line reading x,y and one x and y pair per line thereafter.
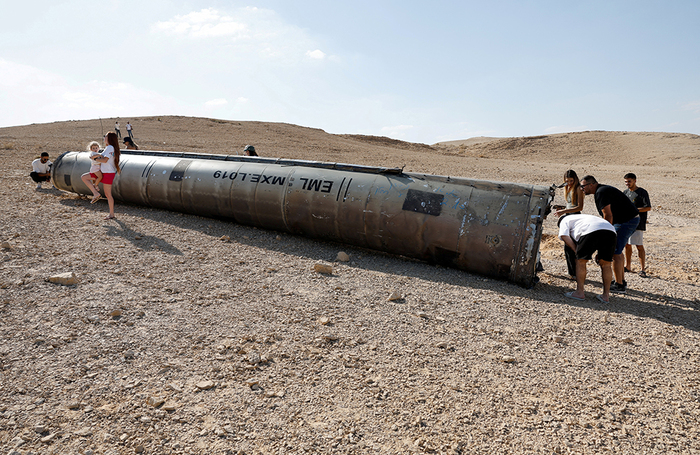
x,y
139,240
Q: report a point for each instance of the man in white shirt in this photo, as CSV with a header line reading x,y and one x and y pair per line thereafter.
x,y
41,170
586,234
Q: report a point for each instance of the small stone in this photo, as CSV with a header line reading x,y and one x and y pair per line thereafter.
x,y
40,428
5,245
155,401
628,399
324,320
278,238
84,432
342,257
115,313
205,385
73,405
139,449
145,419
422,314
395,295
128,355
229,429
669,343
627,340
64,279
252,382
169,407
507,359
323,268
225,238
558,339
49,438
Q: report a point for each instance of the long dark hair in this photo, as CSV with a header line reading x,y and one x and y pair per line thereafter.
x,y
571,174
114,142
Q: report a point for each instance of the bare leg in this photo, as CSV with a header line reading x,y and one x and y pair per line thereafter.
x,y
110,199
87,180
642,257
580,278
98,179
628,256
619,267
606,270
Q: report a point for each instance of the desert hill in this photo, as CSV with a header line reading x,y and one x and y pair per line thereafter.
x,y
186,334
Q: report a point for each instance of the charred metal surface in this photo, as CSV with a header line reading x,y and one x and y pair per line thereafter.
x,y
490,228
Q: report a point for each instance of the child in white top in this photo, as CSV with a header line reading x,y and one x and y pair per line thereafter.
x,y
94,149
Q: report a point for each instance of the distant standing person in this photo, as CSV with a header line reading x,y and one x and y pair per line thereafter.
x,y
574,205
109,164
249,150
116,129
41,170
129,144
618,210
129,129
640,199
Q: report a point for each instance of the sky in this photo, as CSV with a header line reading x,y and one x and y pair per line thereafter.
x,y
410,70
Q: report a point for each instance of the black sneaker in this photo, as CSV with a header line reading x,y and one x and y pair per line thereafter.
x,y
618,288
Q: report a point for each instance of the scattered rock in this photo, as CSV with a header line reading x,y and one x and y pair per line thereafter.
x,y
342,257
5,245
205,385
49,438
73,405
323,268
225,238
64,279
394,296
324,320
155,401
507,359
115,313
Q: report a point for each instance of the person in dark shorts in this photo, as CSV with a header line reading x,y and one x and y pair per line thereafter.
x,y
640,199
618,210
588,234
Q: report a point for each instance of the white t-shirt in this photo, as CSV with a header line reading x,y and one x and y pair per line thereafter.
x,y
108,167
576,226
41,168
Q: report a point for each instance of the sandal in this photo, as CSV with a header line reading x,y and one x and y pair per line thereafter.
x,y
110,217
643,274
95,198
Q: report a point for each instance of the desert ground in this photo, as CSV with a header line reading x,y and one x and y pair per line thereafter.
x,y
191,335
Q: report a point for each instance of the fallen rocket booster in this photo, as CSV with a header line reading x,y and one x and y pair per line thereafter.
x,y
489,228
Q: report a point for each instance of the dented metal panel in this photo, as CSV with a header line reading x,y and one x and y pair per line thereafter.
x,y
491,228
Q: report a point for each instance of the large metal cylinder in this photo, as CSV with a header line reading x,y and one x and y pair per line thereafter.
x,y
490,228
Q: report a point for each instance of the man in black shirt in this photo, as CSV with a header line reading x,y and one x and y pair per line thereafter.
x,y
640,199
614,206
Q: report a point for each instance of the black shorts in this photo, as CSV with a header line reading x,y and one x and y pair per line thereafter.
x,y
601,241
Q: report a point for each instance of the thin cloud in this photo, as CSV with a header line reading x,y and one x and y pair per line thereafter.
x,y
317,54
207,23
216,102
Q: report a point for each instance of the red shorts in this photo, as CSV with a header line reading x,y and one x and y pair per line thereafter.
x,y
108,177
93,175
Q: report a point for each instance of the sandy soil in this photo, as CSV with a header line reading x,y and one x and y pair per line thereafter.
x,y
176,341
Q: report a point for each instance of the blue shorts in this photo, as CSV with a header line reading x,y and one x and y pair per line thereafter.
x,y
624,232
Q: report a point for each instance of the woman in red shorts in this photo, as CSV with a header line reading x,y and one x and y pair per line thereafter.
x,y
109,165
